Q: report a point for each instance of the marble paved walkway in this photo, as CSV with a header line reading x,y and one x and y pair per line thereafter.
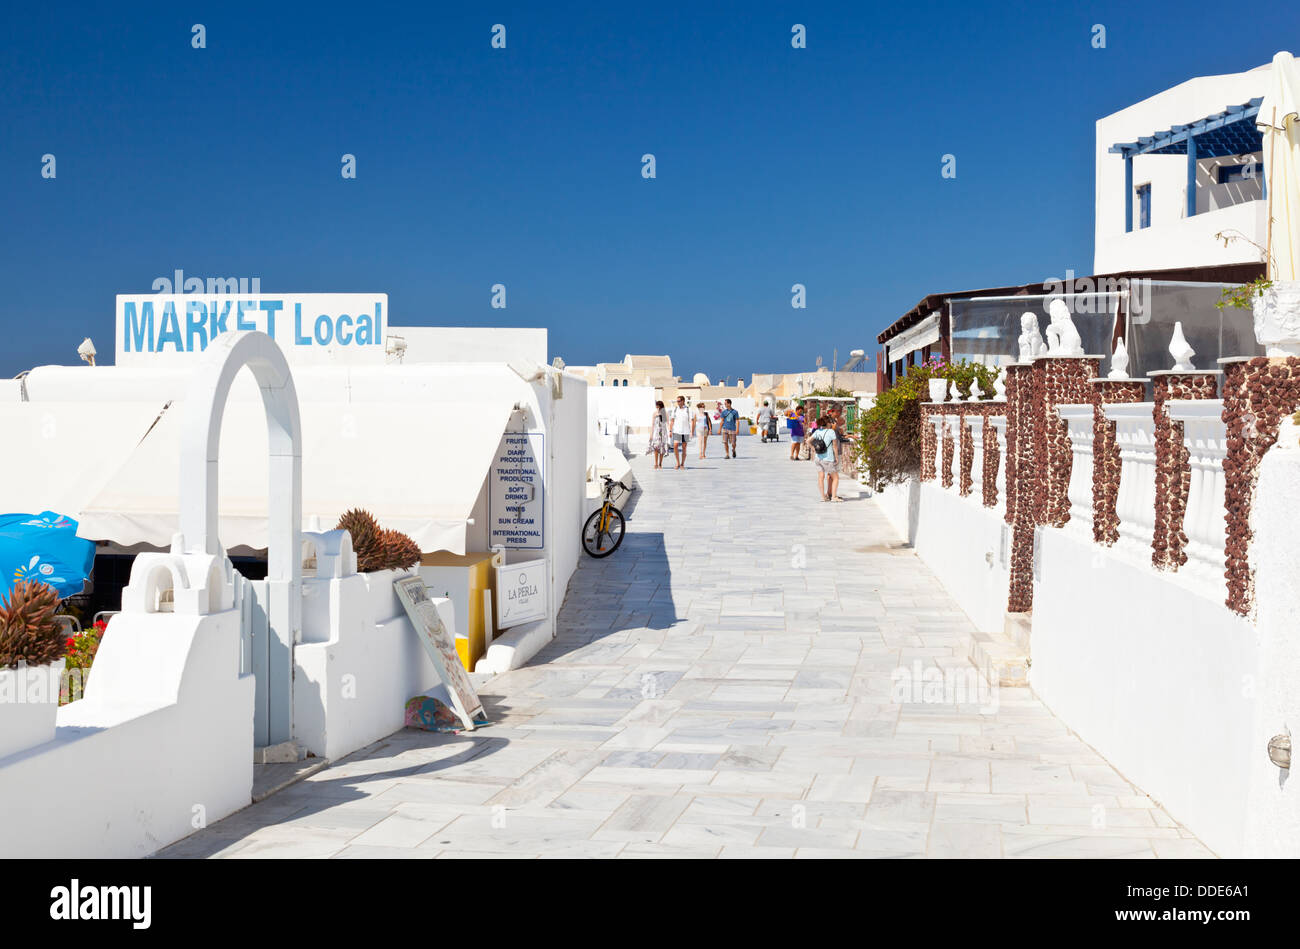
x,y
754,673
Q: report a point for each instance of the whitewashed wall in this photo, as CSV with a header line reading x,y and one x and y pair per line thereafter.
x,y
359,662
1173,239
161,745
1155,676
1273,808
1149,666
959,539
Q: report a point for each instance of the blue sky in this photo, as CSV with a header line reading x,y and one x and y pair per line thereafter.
x,y
522,166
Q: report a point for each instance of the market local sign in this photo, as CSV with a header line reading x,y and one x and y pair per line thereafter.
x,y
155,328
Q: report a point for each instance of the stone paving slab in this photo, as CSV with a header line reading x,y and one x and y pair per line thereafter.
x,y
754,674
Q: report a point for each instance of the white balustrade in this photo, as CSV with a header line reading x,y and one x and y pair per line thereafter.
x,y
999,423
1078,418
1135,436
976,423
1205,435
940,425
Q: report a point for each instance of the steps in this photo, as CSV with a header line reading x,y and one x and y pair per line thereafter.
x,y
1002,658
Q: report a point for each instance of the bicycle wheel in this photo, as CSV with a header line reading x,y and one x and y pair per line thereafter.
x,y
602,543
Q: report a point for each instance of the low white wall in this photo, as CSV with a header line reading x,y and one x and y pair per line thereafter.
x,y
161,745
1161,681
359,662
959,539
1273,814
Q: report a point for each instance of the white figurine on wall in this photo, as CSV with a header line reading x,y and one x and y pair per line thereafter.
x,y
1062,338
1031,341
1181,350
1119,362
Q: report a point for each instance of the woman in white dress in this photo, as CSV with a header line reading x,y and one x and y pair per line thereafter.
x,y
659,434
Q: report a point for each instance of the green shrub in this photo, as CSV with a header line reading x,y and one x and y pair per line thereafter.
x,y
986,376
889,433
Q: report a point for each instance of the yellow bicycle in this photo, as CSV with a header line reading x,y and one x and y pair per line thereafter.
x,y
604,529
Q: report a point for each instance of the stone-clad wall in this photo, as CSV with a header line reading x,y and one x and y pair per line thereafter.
x,y
966,456
1043,457
946,473
1105,455
1020,485
1064,381
992,458
1257,393
927,442
1037,455
1173,472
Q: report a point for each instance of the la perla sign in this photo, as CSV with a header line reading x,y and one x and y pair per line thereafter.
x,y
167,328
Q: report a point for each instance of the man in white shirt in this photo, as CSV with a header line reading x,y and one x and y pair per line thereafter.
x,y
764,418
679,428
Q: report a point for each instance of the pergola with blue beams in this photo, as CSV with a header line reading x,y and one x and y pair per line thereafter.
x,y
1230,132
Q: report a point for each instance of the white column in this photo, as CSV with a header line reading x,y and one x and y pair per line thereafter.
x,y
1078,418
1135,436
1205,435
976,423
939,423
999,423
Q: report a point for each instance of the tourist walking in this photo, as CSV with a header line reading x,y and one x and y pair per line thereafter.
x,y
704,428
679,429
795,425
828,472
730,428
764,419
659,434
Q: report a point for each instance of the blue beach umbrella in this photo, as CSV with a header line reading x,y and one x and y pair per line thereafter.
x,y
45,548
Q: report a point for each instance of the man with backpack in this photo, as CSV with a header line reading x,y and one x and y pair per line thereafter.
x,y
828,470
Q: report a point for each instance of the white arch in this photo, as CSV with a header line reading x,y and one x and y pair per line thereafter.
x,y
205,406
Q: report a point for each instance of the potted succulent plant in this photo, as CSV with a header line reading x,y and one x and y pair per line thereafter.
x,y
32,647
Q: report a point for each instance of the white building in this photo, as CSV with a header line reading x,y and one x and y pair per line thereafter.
x,y
1178,168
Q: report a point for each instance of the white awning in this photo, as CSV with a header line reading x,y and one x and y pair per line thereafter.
x,y
418,467
59,454
924,333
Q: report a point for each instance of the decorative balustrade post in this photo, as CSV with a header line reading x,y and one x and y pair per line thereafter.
x,y
1173,474
1134,427
945,433
995,470
1059,380
965,449
1078,418
1257,393
928,444
1105,454
1020,486
1205,442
